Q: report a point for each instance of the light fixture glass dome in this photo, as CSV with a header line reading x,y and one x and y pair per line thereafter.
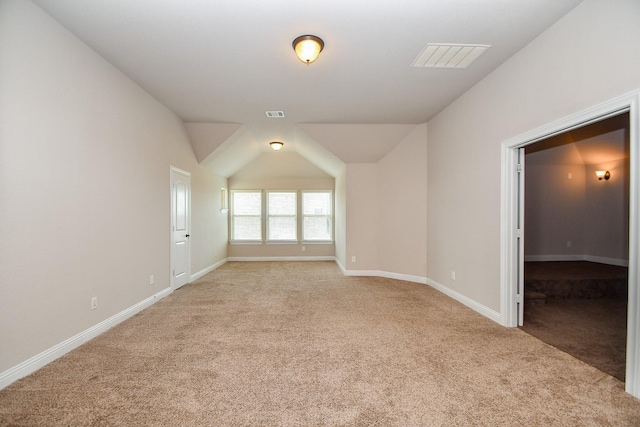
x,y
308,48
276,145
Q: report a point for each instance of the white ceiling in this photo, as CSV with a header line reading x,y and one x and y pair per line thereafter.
x,y
224,63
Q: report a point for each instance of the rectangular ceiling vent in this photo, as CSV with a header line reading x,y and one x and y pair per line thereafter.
x,y
275,114
436,55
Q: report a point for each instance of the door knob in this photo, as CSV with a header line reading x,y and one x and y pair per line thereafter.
x,y
187,235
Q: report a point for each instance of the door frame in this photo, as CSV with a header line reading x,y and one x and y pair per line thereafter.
x,y
187,175
509,255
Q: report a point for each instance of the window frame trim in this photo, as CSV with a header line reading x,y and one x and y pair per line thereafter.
x,y
267,216
331,216
232,217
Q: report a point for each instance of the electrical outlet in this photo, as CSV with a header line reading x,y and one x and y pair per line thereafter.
x,y
353,259
94,303
152,279
568,243
453,275
304,249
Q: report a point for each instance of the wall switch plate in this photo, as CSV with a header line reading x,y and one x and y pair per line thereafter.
x,y
353,259
94,303
152,279
453,275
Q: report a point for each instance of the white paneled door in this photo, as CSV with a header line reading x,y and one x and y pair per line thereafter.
x,y
180,227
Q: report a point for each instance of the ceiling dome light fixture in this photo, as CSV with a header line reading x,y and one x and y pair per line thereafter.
x,y
276,145
308,48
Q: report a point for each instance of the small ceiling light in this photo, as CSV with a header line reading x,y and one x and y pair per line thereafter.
x,y
308,48
603,174
276,145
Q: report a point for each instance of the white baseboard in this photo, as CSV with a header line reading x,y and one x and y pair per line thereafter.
x,y
610,261
38,361
474,305
284,258
387,274
591,258
207,270
545,258
31,365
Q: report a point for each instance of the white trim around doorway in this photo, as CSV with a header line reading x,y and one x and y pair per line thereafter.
x,y
509,215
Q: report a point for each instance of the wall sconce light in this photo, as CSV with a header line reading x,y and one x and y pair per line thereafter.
x,y
276,145
308,48
603,174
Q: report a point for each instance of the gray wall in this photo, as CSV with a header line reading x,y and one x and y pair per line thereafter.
x,y
586,58
85,156
569,213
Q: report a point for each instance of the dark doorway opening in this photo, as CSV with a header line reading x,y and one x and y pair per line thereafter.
x,y
576,242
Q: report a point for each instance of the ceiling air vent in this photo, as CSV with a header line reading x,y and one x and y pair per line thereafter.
x,y
449,55
275,114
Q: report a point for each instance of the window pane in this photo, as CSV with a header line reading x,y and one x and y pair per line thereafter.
x,y
316,203
282,228
317,215
247,215
247,203
282,203
317,228
246,228
282,209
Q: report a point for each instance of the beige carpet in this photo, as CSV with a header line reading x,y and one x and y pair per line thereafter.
x,y
298,344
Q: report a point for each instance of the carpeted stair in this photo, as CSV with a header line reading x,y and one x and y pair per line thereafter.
x,y
575,280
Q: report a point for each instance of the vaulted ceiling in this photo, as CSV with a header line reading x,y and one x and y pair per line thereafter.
x,y
219,65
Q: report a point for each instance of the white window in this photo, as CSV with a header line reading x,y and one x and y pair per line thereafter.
x,y
281,216
246,214
317,214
